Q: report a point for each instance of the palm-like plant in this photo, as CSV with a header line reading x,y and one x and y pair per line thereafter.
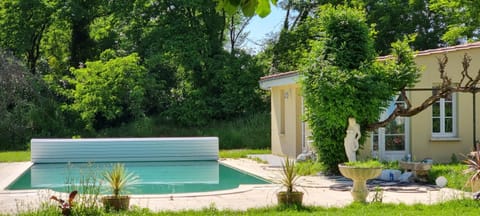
x,y
290,175
119,178
473,168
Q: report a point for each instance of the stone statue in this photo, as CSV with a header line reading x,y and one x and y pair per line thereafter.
x,y
351,139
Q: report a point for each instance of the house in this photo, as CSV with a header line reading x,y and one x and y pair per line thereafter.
x,y
444,129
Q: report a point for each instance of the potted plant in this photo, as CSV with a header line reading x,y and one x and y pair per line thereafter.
x,y
118,178
360,172
289,177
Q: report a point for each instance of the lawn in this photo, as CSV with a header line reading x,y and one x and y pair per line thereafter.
x,y
14,156
17,156
242,153
453,173
456,207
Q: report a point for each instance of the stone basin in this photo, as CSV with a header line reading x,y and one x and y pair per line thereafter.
x,y
359,175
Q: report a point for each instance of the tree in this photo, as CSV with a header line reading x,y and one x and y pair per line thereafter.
x,y
341,79
22,26
16,102
179,46
27,108
393,19
467,84
460,17
236,27
108,91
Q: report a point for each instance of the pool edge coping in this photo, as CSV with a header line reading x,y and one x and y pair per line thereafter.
x,y
15,170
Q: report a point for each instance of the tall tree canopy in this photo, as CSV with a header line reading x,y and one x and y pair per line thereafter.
x,y
460,17
108,63
428,22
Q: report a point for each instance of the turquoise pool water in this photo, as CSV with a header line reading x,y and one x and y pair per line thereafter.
x,y
154,177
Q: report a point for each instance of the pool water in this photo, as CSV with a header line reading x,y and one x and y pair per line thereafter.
x,y
154,177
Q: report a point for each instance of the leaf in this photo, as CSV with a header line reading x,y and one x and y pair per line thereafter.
x,y
263,8
230,7
248,7
235,3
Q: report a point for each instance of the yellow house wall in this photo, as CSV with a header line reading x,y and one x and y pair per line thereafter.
x,y
288,143
422,143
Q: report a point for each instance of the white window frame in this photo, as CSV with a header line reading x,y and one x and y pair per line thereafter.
x,y
442,132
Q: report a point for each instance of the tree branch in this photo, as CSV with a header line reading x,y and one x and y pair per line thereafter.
x,y
443,91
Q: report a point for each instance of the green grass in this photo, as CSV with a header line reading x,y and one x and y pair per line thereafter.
x,y
452,172
462,207
242,153
14,156
308,168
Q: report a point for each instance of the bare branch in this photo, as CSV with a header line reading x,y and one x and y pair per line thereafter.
x,y
443,91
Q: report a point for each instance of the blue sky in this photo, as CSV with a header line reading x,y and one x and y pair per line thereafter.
x,y
260,28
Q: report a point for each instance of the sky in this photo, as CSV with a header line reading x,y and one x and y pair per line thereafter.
x,y
260,28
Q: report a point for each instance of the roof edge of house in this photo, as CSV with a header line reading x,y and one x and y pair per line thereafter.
x,y
418,53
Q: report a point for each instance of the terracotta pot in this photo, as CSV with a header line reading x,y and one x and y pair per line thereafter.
x,y
116,202
359,176
290,198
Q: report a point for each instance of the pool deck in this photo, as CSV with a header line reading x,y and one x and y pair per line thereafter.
x,y
319,191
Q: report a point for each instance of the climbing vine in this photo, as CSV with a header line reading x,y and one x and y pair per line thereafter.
x,y
342,79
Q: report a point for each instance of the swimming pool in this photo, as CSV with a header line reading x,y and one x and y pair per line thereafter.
x,y
155,177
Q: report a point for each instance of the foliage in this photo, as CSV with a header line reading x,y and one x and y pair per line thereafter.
x,y
248,7
250,131
108,90
393,19
364,164
119,178
232,91
17,93
461,17
292,46
178,45
89,188
467,206
342,80
22,26
473,169
308,168
452,172
28,107
289,175
378,195
391,165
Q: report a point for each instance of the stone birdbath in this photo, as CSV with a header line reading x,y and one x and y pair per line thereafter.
x,y
359,175
359,172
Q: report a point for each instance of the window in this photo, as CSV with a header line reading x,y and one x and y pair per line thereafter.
x,y
444,116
